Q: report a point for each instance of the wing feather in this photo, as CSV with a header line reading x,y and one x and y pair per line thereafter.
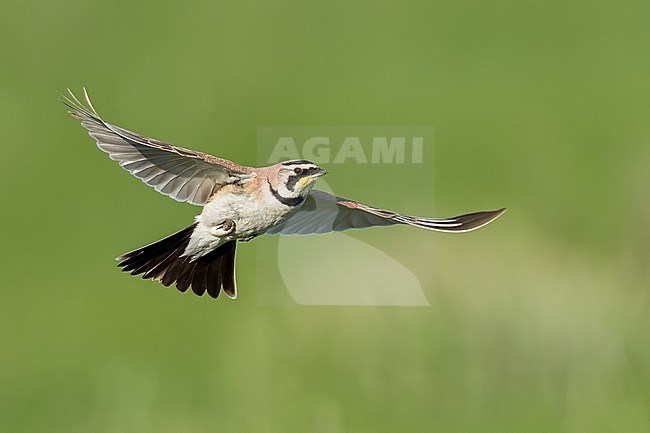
x,y
323,213
183,174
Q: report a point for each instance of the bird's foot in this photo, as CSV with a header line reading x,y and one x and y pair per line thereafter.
x,y
224,229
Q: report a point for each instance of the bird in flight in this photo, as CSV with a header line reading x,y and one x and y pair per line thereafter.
x,y
239,203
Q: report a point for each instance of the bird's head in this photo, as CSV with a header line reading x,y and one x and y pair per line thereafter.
x,y
297,177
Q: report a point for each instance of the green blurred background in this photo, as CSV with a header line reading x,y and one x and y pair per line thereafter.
x,y
538,323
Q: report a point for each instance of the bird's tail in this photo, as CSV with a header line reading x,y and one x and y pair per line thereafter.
x,y
164,261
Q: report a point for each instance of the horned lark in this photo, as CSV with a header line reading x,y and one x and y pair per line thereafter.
x,y
239,203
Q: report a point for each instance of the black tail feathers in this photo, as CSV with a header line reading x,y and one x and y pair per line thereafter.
x,y
163,261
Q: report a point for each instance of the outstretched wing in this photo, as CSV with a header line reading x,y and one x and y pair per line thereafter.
x,y
182,174
324,213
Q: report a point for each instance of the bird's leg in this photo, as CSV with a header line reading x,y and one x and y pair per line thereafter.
x,y
247,238
224,229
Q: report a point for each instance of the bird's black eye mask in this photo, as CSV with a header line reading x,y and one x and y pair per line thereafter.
x,y
299,174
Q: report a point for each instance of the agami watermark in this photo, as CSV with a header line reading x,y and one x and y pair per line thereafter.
x,y
342,269
323,150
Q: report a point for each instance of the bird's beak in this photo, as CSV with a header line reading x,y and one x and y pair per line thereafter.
x,y
321,172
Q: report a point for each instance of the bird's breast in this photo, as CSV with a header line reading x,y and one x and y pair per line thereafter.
x,y
252,214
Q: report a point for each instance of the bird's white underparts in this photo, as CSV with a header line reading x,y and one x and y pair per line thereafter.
x,y
239,203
